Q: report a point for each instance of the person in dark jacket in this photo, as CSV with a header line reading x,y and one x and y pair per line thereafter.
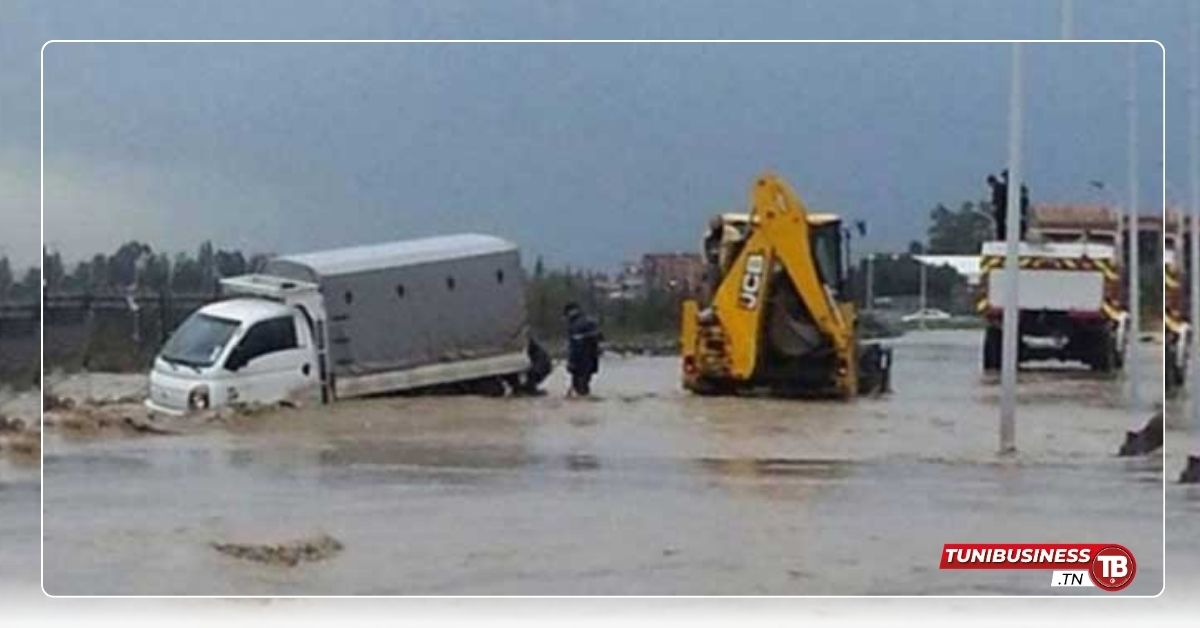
x,y
999,203
1024,211
583,349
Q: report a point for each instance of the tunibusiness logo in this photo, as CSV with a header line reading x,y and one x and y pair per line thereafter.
x,y
1107,566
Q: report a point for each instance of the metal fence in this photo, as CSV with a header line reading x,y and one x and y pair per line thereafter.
x,y
19,366
99,332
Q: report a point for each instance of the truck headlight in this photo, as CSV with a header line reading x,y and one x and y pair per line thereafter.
x,y
198,398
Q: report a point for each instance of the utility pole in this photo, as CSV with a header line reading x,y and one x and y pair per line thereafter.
x,y
1009,339
1066,20
1134,266
1191,472
869,305
923,293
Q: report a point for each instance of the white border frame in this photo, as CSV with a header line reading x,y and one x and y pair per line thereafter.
x,y
559,42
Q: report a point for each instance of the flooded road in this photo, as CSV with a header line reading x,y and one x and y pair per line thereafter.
x,y
20,522
644,490
1183,502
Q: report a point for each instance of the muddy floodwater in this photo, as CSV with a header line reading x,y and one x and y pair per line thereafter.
x,y
642,490
20,523
1183,502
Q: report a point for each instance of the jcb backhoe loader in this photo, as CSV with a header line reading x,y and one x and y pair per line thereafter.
x,y
777,319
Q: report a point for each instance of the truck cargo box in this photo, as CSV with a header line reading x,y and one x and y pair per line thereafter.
x,y
1053,276
405,305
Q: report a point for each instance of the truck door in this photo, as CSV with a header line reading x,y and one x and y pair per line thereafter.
x,y
272,361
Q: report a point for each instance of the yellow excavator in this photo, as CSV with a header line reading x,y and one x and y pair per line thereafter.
x,y
777,319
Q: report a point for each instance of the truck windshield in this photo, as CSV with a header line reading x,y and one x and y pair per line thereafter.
x,y
199,340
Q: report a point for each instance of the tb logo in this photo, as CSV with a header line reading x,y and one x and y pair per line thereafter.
x,y
1113,568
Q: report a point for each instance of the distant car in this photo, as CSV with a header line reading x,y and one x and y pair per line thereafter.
x,y
927,314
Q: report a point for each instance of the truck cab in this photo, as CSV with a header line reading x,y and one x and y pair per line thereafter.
x,y
241,349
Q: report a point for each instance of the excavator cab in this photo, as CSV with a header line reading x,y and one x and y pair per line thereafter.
x,y
826,242
728,232
776,317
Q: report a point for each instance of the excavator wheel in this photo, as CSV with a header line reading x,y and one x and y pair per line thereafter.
x,y
709,388
874,369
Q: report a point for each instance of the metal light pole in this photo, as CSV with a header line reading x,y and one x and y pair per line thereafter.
x,y
921,309
1134,265
1009,339
1194,177
870,300
1066,20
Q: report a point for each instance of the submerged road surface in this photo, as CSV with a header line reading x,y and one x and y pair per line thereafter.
x,y
20,521
643,490
1183,502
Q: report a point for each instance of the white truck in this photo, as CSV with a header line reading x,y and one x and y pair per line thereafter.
x,y
436,312
1177,327
1070,297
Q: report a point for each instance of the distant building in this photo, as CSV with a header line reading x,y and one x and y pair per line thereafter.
x,y
628,284
681,273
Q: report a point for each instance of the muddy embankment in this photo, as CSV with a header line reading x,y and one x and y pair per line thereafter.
x,y
80,406
20,370
20,437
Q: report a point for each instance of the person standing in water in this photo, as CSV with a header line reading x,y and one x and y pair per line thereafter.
x,y
583,349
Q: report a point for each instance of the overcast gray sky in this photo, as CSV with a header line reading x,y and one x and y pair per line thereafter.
x,y
586,154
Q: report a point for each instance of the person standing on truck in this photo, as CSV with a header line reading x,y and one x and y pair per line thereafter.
x,y
583,349
1024,210
999,202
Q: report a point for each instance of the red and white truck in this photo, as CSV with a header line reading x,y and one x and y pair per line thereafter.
x,y
1070,298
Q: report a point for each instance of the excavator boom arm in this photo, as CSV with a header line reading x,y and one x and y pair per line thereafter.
x,y
778,233
784,220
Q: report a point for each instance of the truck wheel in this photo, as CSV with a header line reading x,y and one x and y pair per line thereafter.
x,y
488,387
1118,349
1174,374
1104,351
514,384
991,349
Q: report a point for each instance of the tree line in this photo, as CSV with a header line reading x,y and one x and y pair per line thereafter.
x,y
136,267
25,288
963,232
651,311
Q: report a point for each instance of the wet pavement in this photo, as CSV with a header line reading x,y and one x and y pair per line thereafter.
x,y
20,523
644,490
1183,502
